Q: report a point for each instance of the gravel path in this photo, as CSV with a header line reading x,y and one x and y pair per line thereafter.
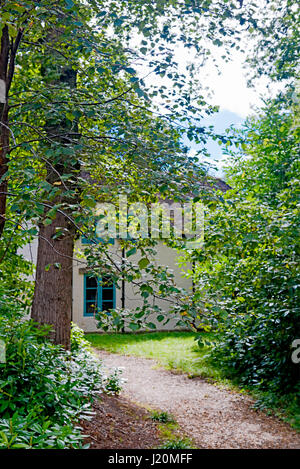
x,y
211,416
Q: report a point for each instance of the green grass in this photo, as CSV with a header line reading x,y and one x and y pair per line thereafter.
x,y
173,350
169,432
179,351
178,443
163,417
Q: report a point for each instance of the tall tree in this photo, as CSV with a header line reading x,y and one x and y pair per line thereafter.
x,y
105,124
54,257
8,51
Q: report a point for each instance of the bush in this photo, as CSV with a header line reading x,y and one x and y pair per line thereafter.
x,y
247,275
113,382
78,340
251,287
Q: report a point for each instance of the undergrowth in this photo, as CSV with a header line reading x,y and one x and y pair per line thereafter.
x,y
44,390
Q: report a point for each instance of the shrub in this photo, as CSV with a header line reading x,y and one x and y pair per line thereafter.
x,y
78,340
44,389
113,382
250,282
247,275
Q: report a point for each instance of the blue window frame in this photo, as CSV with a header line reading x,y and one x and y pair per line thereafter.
x,y
99,294
85,240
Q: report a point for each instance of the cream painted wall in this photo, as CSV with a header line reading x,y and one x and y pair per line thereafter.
x,y
165,256
29,252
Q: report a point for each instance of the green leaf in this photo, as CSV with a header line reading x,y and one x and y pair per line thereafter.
x,y
47,221
143,262
151,325
131,252
133,326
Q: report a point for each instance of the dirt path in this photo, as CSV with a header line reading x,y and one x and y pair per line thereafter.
x,y
120,424
211,416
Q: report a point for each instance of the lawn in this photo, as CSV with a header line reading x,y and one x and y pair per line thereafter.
x,y
180,351
173,350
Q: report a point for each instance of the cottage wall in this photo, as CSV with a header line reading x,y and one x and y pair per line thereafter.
x,y
165,256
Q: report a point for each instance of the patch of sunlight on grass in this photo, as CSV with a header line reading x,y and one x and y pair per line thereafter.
x,y
173,350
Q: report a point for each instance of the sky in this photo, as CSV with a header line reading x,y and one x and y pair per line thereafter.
x,y
236,100
228,89
221,121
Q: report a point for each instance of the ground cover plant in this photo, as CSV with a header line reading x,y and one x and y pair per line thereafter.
x,y
44,390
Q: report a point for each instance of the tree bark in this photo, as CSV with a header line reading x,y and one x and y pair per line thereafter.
x,y
8,52
4,144
4,130
52,302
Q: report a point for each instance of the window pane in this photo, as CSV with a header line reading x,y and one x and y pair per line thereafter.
x,y
107,294
91,295
106,305
106,282
90,308
96,288
91,282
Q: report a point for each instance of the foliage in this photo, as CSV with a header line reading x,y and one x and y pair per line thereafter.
x,y
271,144
284,406
248,271
15,271
78,340
177,443
44,389
82,111
113,383
276,51
163,417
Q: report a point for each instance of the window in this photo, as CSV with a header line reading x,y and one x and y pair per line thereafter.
x,y
99,294
85,240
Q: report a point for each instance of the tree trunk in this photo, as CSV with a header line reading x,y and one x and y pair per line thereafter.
x,y
52,302
4,131
4,143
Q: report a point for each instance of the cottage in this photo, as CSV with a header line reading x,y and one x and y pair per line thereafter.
x,y
90,295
